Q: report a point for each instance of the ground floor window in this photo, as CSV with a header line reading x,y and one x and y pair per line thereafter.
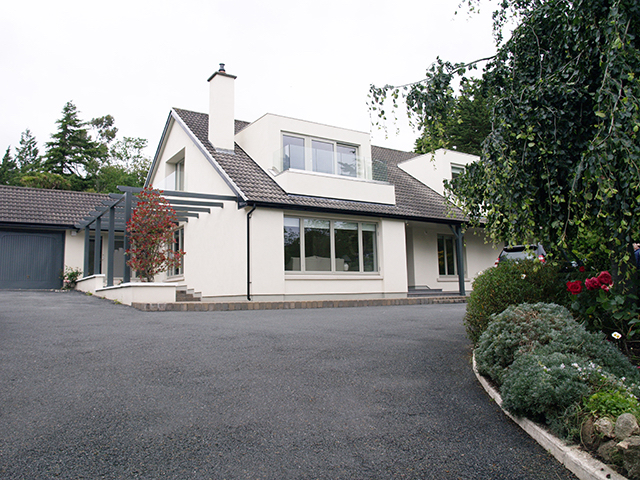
x,y
176,246
447,256
321,245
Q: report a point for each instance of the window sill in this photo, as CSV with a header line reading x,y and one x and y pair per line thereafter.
x,y
451,278
175,278
332,276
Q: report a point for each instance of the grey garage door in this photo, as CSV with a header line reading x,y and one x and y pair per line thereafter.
x,y
31,259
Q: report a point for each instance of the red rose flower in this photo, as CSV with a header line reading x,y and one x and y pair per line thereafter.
x,y
574,287
605,278
581,269
592,283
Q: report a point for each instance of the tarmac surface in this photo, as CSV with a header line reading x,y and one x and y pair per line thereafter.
x,y
90,389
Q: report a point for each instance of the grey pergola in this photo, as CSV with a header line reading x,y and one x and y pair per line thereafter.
x,y
117,212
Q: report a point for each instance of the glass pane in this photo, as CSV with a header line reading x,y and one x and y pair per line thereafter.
x,y
317,246
441,264
347,248
178,244
322,154
347,164
293,156
291,244
179,186
369,247
451,269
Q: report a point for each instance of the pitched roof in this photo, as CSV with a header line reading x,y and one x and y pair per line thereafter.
x,y
414,200
41,207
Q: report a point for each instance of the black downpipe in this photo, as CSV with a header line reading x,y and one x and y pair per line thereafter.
x,y
249,253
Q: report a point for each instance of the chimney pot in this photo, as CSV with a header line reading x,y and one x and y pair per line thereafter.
x,y
222,68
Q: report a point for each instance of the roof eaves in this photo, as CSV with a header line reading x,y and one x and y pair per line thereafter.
x,y
232,185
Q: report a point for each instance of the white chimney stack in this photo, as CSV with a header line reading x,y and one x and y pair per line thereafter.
x,y
221,111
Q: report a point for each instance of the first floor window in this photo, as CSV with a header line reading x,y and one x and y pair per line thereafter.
x,y
178,244
316,155
319,245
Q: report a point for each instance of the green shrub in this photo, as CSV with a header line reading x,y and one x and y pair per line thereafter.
x,y
543,387
509,283
545,329
612,402
520,328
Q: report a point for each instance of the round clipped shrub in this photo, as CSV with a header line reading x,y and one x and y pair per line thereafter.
x,y
520,328
509,283
542,387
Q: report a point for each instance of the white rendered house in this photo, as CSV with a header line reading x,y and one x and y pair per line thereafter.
x,y
310,211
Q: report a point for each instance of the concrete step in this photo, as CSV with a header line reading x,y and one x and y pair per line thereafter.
x,y
185,294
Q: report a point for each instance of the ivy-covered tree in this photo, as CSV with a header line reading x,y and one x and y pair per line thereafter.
x,y
151,240
563,155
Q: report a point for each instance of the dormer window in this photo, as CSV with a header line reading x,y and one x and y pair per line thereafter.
x,y
322,156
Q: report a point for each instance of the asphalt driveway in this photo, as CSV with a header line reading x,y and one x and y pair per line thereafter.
x,y
89,389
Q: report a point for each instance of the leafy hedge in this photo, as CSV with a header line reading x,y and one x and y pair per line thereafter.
x,y
509,283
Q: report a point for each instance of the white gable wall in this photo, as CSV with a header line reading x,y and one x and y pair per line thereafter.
x,y
433,169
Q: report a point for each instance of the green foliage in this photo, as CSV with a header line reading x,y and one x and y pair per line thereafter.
x,y
52,181
71,150
519,329
547,365
542,387
464,127
563,155
8,168
28,154
612,402
74,160
509,283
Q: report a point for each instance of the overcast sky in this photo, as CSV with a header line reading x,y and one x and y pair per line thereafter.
x,y
136,59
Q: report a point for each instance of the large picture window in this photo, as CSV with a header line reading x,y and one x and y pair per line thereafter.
x,y
319,245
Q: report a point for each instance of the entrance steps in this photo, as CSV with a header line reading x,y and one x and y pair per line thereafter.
x,y
186,294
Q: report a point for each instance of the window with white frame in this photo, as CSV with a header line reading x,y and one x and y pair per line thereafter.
x,y
316,155
447,257
456,170
332,246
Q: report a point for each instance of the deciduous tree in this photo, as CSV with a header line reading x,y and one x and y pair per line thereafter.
x,y
150,231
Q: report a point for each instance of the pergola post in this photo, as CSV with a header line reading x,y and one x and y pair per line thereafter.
x,y
87,251
457,232
111,244
127,216
97,247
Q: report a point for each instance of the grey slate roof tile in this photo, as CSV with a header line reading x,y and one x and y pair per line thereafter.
x,y
414,200
41,207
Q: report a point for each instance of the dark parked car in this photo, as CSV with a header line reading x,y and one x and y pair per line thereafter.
x,y
522,252
567,261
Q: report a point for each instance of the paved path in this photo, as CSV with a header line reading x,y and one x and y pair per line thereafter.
x,y
89,389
